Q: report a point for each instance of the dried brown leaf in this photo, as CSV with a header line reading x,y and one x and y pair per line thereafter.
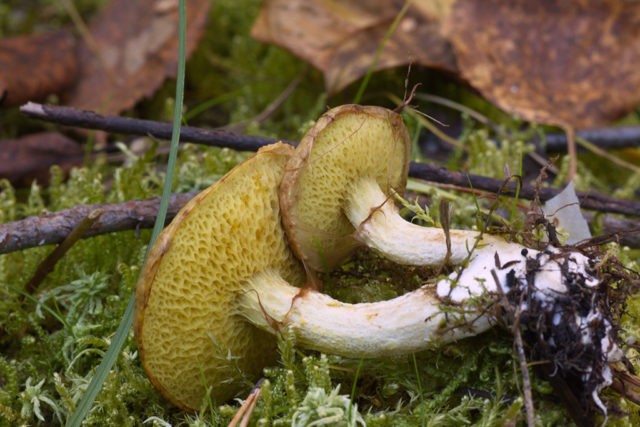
x,y
29,158
35,66
574,64
133,48
341,38
571,63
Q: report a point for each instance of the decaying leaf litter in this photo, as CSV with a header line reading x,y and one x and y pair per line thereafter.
x,y
545,62
124,54
450,384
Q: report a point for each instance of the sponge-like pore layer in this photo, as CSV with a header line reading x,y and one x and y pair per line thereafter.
x,y
347,143
189,334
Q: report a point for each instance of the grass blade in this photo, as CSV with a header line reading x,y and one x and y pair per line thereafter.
x,y
376,57
122,332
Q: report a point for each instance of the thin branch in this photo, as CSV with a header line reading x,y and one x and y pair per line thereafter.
x,y
140,214
591,201
49,263
73,117
243,416
587,145
571,151
55,227
605,138
89,120
623,230
526,380
463,109
514,314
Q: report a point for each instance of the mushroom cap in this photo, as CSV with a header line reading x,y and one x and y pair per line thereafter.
x,y
347,143
189,332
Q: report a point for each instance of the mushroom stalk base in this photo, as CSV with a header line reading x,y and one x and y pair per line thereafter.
x,y
379,225
409,323
559,303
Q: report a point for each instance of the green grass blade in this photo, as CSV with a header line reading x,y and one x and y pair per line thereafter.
x,y
104,368
354,386
122,332
376,57
419,383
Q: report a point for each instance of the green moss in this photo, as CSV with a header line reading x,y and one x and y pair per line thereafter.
x,y
51,342
485,155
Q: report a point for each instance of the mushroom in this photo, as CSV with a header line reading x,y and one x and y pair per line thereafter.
x,y
336,194
188,331
219,277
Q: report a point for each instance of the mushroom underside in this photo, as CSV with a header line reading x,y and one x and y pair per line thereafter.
x,y
188,336
199,327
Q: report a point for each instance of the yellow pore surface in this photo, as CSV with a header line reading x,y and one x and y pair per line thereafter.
x,y
346,144
189,333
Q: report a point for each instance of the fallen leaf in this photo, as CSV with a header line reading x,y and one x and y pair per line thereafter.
x,y
548,61
563,211
132,49
29,158
573,64
35,66
341,38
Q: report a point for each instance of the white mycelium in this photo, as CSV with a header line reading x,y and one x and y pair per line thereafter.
x,y
560,303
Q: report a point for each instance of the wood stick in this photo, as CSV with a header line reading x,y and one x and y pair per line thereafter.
x,y
89,120
606,138
55,227
86,119
48,264
139,214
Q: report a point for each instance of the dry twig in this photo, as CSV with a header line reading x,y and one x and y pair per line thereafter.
x,y
55,227
73,117
48,264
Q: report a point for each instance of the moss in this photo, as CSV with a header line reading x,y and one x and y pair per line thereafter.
x,y
62,337
51,342
485,154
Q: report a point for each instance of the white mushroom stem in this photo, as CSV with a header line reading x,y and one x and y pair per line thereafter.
x,y
412,322
548,287
379,225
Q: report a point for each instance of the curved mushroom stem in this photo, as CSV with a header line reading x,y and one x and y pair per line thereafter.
x,y
412,322
379,225
552,295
